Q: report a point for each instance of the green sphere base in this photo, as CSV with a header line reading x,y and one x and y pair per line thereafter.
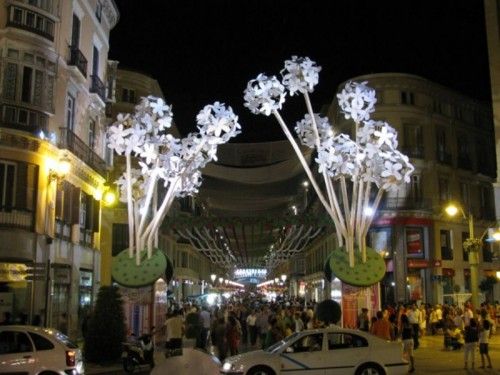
x,y
362,274
125,272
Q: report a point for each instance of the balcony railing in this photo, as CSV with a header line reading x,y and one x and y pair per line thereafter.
x,y
414,151
77,59
22,118
405,204
97,87
13,218
70,141
443,157
27,19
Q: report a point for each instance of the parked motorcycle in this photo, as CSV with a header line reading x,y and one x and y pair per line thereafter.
x,y
136,354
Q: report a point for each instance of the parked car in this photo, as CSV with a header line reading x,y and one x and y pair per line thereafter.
x,y
34,350
329,351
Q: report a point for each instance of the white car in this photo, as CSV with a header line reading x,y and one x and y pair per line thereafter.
x,y
326,351
34,350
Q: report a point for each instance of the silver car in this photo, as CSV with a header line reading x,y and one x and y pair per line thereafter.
x,y
327,351
33,350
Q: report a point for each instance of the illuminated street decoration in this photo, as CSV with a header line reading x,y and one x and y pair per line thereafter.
x,y
176,163
356,172
250,272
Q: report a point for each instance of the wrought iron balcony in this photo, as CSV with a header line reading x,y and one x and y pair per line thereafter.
x,y
97,87
22,118
10,217
405,204
77,59
80,149
27,19
414,151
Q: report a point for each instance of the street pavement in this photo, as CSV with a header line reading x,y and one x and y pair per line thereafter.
x,y
430,358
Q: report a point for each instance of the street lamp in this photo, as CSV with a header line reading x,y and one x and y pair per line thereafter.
x,y
276,280
221,279
283,277
213,277
473,252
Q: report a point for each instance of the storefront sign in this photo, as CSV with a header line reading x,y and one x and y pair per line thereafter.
x,y
423,263
10,272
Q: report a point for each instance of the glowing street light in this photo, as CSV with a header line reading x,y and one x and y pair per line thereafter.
x,y
283,277
213,277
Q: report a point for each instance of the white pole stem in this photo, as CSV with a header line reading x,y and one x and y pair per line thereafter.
x,y
130,206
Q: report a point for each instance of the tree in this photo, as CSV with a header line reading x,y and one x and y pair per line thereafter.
x,y
106,330
328,312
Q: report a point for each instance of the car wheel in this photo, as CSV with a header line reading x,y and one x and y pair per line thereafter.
x,y
128,365
260,370
370,369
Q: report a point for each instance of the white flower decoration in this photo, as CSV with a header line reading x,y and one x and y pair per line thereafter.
x,y
357,101
300,74
264,95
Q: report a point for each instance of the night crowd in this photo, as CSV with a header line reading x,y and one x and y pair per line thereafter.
x,y
232,327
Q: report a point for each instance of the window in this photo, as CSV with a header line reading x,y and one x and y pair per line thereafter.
x,y
486,202
444,189
459,113
413,141
70,112
31,21
30,79
41,343
379,239
407,97
467,280
465,194
14,342
415,188
184,259
98,11
414,242
75,32
308,343
487,253
345,341
446,250
120,238
92,134
465,254
7,185
436,107
95,62
128,96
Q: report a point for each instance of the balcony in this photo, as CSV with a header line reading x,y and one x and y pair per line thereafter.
x,y
14,218
22,118
97,87
77,59
413,151
464,162
81,150
27,19
443,157
405,204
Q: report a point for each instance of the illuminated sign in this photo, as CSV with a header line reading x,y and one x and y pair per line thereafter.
x,y
250,272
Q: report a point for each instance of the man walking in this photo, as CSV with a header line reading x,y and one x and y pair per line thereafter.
x,y
415,318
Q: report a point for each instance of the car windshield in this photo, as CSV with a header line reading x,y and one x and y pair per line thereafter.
x,y
274,348
62,338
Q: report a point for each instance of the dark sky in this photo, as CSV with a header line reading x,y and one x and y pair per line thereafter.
x,y
201,51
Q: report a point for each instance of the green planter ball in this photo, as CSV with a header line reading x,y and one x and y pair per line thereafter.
x,y
125,272
362,274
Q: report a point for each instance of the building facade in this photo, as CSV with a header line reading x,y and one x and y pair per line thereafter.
x,y
448,138
53,95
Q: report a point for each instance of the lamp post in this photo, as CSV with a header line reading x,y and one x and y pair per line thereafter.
x,y
213,277
452,210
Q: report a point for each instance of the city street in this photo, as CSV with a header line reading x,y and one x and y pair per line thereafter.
x,y
430,358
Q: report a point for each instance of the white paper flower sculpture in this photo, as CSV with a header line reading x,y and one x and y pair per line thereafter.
x,y
368,163
163,158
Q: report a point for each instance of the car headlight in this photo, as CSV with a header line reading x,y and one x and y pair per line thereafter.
x,y
227,366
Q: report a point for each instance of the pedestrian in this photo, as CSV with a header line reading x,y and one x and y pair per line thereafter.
x,y
262,325
363,321
415,317
471,337
220,339
484,335
205,319
299,323
174,329
407,338
233,335
252,328
381,327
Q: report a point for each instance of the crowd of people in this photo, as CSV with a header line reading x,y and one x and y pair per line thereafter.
x,y
232,326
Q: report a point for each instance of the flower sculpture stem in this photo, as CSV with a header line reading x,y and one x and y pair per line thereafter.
x,y
349,167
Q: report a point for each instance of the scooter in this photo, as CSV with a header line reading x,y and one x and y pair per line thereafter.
x,y
138,354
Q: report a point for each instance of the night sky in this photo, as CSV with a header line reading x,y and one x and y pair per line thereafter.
x,y
201,51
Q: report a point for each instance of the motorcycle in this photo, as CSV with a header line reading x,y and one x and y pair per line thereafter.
x,y
136,354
